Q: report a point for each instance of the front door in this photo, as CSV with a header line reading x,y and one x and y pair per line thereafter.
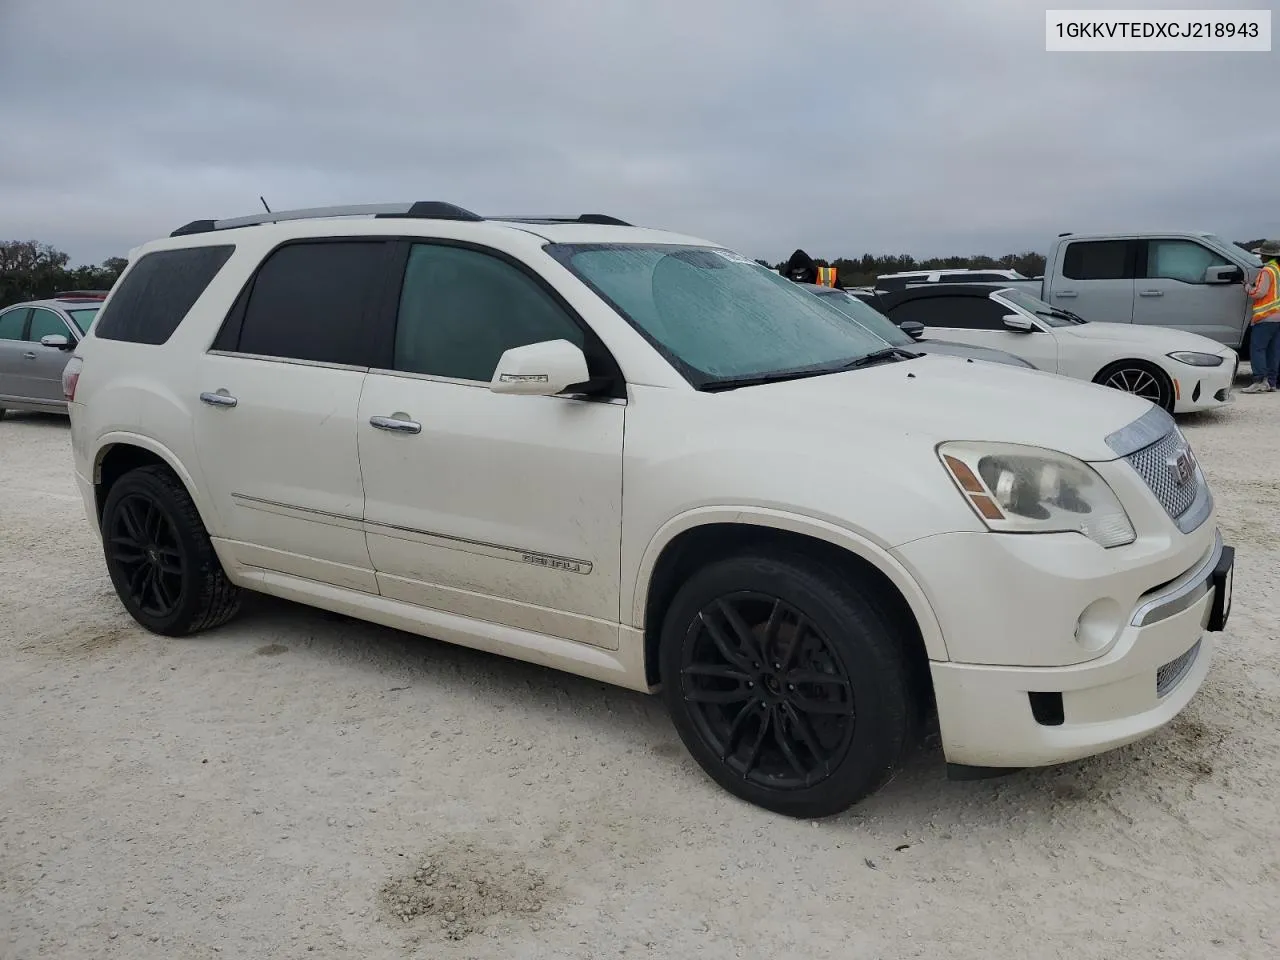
x,y
44,369
275,405
1172,292
494,507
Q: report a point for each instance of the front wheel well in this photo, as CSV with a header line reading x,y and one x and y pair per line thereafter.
x,y
1169,394
119,459
702,545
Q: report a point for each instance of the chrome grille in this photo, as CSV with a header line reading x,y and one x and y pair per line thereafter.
x,y
1152,464
1171,674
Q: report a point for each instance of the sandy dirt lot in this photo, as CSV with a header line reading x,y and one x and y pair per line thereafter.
x,y
299,785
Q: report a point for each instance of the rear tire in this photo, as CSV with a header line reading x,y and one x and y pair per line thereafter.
x,y
788,687
1140,378
161,561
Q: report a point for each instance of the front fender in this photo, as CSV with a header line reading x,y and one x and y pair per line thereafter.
x,y
930,629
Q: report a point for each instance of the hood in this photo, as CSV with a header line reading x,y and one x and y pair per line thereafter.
x,y
968,351
1158,339
934,399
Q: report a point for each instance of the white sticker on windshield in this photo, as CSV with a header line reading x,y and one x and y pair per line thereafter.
x,y
734,257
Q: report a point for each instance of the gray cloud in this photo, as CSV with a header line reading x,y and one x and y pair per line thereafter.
x,y
842,128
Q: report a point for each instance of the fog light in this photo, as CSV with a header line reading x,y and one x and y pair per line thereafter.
x,y
1099,624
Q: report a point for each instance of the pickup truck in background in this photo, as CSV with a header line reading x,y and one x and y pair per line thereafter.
x,y
1189,281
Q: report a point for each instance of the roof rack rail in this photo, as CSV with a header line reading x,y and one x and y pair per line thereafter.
x,y
421,209
597,218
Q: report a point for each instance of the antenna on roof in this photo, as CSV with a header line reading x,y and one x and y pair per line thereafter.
x,y
264,203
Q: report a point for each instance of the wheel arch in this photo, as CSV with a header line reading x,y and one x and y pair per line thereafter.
x,y
118,453
1149,365
702,536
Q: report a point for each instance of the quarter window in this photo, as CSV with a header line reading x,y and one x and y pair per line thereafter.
x,y
157,293
461,309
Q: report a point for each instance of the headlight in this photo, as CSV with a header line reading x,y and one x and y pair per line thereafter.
x,y
1197,359
1017,489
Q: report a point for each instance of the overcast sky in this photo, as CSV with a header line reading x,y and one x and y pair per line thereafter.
x,y
841,127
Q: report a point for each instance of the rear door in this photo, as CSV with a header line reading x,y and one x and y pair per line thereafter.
x,y
44,364
977,320
1172,292
13,327
275,428
1096,280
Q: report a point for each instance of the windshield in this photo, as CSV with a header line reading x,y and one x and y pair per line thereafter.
x,y
1050,315
866,315
718,316
83,318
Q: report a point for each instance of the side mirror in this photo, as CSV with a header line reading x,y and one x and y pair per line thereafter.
x,y
1016,321
55,340
1224,274
912,328
540,369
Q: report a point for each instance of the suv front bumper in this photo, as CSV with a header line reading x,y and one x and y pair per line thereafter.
x,y
1008,716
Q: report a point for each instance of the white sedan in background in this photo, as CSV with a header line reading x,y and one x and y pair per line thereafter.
x,y
1179,371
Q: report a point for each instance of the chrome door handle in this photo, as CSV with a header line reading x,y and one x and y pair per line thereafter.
x,y
1065,293
28,356
1151,293
396,424
218,399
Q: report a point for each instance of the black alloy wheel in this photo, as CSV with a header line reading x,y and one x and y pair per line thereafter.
x,y
160,558
787,683
767,690
142,543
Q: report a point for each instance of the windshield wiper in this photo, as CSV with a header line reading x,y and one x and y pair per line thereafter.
x,y
1064,314
880,356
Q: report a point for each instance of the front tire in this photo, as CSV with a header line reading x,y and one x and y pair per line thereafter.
x,y
1141,379
787,686
161,561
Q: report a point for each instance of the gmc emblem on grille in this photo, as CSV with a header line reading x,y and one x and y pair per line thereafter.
x,y
1182,466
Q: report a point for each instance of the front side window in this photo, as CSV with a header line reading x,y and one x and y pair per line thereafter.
x,y
953,312
1097,260
1182,260
461,310
157,293
310,301
716,316
45,323
12,323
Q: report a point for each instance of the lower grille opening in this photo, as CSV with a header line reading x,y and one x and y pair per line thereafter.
x,y
1171,674
1047,708
1195,394
1221,395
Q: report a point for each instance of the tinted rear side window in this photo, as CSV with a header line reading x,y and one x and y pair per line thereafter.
x,y
313,301
158,292
1097,260
960,313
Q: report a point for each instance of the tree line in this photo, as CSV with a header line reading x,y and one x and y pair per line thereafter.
x,y
30,270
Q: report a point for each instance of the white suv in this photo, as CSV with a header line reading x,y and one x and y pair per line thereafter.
x,y
646,459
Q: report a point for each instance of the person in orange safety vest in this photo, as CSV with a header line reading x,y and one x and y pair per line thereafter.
x,y
1264,335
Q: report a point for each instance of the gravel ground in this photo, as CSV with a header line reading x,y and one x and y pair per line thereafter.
x,y
301,785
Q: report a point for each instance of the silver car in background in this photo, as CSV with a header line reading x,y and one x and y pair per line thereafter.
x,y
37,339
